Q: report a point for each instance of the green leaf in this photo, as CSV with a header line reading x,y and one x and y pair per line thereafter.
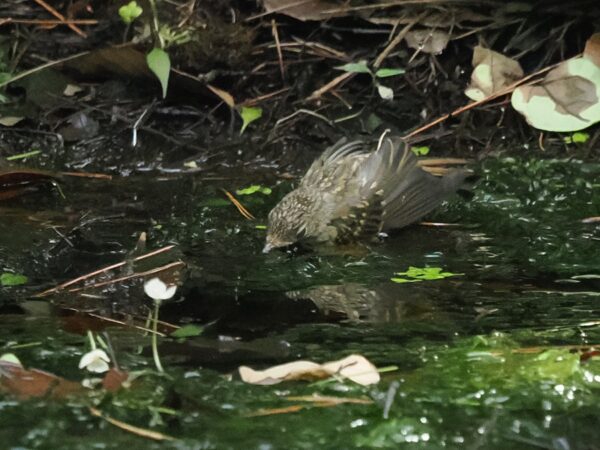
x,y
357,67
420,151
577,138
160,64
260,227
384,73
403,280
422,274
253,189
12,279
249,115
130,12
187,331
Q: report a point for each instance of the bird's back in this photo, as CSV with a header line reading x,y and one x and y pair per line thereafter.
x,y
358,193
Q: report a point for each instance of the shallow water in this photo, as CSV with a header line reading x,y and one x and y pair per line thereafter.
x,y
486,358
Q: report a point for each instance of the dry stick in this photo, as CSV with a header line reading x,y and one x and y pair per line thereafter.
x,y
255,100
279,52
142,432
60,17
129,277
500,93
120,322
101,176
394,43
99,271
4,20
243,211
333,83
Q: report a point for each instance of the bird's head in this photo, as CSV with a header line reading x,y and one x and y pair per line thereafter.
x,y
286,223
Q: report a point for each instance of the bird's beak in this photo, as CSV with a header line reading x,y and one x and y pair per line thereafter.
x,y
268,247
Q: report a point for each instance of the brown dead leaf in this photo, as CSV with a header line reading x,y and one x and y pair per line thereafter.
x,y
592,49
22,383
16,182
354,367
304,9
428,40
114,379
223,95
566,100
492,71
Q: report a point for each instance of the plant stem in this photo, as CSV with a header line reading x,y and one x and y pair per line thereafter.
x,y
157,363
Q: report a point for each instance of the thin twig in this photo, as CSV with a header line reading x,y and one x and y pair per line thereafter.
x,y
279,52
142,432
500,93
102,270
60,17
243,211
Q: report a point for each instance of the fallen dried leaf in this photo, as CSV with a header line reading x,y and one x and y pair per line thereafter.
x,y
492,71
354,367
428,40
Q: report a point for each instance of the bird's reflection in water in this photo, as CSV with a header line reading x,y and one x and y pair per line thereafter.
x,y
386,303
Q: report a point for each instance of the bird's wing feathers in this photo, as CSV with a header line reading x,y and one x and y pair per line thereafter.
x,y
324,166
408,191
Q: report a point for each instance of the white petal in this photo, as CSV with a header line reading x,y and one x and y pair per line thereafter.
x,y
98,366
91,358
385,92
156,289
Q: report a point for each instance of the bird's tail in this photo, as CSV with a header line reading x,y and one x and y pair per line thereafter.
x,y
409,193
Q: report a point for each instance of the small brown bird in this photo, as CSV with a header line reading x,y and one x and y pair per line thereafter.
x,y
351,194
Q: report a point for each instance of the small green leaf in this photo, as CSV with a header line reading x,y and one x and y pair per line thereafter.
x,y
12,279
253,189
414,274
260,227
403,280
577,138
187,331
160,64
357,67
420,151
249,115
384,73
130,12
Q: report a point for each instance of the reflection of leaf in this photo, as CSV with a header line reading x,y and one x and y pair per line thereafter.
x,y
160,64
253,189
384,73
357,67
428,40
415,274
187,331
249,115
491,72
354,367
12,279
